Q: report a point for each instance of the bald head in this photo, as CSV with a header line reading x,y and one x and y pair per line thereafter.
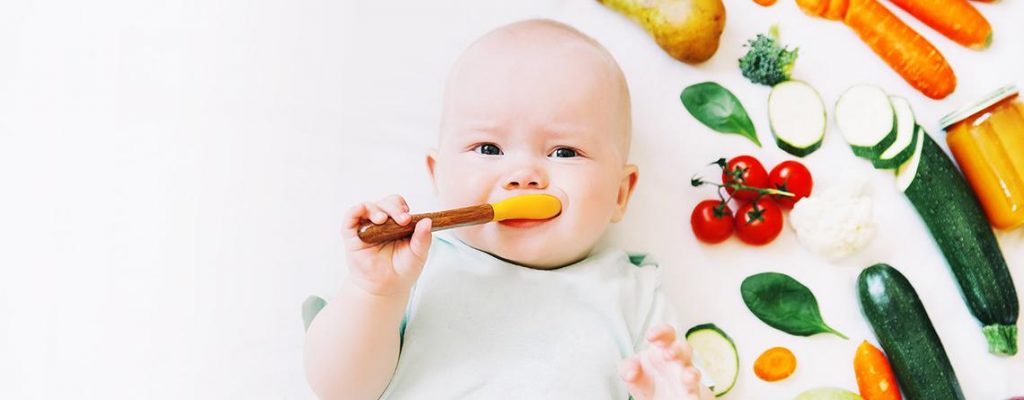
x,y
539,69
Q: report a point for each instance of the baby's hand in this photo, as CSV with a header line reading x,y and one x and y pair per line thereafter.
x,y
391,268
663,371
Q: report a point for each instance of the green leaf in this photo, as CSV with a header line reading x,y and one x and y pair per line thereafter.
x,y
717,108
784,304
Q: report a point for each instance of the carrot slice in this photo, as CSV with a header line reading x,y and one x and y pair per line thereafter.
x,y
775,364
906,52
874,375
955,19
765,3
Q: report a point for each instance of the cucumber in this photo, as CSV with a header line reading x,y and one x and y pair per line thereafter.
x,y
867,120
797,117
718,354
956,221
828,393
906,136
906,334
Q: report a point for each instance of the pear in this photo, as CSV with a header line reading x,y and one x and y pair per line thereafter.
x,y
688,30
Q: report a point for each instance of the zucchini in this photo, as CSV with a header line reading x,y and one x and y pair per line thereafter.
x,y
906,334
956,221
718,354
906,136
867,120
797,117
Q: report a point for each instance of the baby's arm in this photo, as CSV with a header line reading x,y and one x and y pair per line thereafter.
x,y
352,345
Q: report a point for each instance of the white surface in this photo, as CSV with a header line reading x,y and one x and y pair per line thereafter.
x,y
174,174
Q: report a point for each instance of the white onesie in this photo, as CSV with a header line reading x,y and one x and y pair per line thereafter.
x,y
478,327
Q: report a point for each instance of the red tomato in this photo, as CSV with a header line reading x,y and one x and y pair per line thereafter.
x,y
792,177
759,222
711,221
745,170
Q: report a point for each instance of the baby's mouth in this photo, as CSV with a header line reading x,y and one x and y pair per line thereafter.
x,y
524,223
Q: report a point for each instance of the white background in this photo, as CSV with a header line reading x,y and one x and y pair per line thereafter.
x,y
172,177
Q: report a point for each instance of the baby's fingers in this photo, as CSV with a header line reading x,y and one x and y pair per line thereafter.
x,y
662,335
396,208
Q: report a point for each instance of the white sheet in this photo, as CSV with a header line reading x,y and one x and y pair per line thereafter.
x,y
174,175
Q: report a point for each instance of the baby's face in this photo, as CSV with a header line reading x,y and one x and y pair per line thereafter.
x,y
551,120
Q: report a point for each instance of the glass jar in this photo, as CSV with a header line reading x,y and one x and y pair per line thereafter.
x,y
987,140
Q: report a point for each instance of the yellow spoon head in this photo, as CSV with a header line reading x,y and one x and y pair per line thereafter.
x,y
528,206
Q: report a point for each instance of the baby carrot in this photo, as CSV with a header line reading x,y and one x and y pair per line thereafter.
x,y
836,9
874,375
955,19
906,52
775,364
813,8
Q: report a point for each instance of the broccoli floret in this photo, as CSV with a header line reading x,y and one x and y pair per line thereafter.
x,y
766,62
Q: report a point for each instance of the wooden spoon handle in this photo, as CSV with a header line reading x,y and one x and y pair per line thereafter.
x,y
390,230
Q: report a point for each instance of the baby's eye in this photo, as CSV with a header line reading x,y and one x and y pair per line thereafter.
x,y
563,152
488,149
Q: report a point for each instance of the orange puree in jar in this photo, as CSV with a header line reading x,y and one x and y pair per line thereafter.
x,y
987,140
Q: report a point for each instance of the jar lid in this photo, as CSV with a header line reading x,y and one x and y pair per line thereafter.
x,y
971,109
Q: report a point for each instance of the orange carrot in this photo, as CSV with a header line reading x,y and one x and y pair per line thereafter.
x,y
836,9
776,363
874,375
906,52
814,8
955,19
765,3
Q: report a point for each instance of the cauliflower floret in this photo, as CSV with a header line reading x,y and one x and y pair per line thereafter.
x,y
835,223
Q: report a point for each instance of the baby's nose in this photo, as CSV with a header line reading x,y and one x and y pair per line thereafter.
x,y
528,177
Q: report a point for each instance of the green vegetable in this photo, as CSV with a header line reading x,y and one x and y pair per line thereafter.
x,y
717,108
797,117
865,116
906,136
718,354
828,393
784,304
906,334
766,62
953,215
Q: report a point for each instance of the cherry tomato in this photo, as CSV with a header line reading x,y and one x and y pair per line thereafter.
x,y
792,177
745,170
711,221
758,222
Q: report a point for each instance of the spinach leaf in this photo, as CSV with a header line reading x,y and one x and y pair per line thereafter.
x,y
717,108
784,304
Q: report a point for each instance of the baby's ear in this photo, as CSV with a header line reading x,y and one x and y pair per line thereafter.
x,y
431,163
629,177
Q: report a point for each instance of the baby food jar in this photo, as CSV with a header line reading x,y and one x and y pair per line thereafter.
x,y
987,140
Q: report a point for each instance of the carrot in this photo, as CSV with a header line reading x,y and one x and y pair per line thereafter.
x,y
775,364
906,52
955,19
874,375
765,3
814,8
836,9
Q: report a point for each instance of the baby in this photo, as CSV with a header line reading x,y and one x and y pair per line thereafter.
x,y
515,309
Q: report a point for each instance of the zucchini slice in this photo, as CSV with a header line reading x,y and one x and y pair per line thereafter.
x,y
867,120
905,332
955,219
906,136
797,117
718,354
